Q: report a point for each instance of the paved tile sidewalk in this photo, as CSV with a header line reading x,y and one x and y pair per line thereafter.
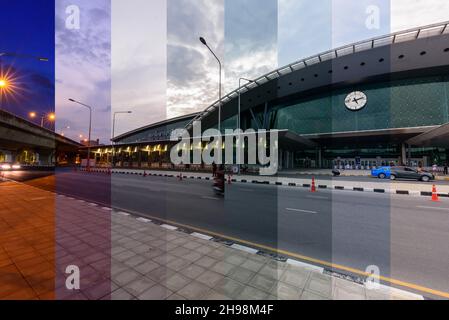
x,y
146,260
27,242
150,262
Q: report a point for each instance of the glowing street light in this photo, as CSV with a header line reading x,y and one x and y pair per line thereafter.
x,y
4,82
49,116
64,128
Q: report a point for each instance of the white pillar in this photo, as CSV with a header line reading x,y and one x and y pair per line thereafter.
x,y
404,154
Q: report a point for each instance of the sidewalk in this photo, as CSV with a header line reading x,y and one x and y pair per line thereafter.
x,y
27,242
141,259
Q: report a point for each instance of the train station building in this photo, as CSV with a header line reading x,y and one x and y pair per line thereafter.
x,y
376,102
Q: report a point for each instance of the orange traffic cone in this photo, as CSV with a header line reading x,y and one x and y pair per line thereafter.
x,y
313,188
435,194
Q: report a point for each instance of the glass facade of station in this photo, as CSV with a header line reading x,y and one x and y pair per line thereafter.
x,y
399,104
396,104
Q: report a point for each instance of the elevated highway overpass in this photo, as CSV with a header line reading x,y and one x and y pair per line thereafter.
x,y
25,142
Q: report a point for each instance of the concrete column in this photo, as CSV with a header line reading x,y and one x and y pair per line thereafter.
x,y
320,158
281,159
292,163
139,157
404,154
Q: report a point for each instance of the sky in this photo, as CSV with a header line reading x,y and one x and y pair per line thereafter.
x,y
83,68
146,57
31,81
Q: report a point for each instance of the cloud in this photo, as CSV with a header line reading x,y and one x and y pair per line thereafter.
x,y
192,71
139,62
251,34
407,14
304,29
243,35
83,59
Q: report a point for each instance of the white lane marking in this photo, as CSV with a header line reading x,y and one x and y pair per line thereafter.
x,y
211,198
201,236
300,210
304,265
169,227
107,208
243,248
39,198
433,208
93,204
246,190
317,197
143,220
122,213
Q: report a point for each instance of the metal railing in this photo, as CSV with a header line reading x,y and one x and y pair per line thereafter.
x,y
397,37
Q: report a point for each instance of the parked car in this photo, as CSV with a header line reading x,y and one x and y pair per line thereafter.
x,y
381,172
410,174
394,173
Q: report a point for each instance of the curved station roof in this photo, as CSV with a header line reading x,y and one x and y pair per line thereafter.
x,y
419,52
416,52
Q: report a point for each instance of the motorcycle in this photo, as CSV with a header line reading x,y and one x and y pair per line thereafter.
x,y
219,183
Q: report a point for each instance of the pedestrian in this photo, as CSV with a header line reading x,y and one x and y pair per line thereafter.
x,y
214,169
434,169
445,169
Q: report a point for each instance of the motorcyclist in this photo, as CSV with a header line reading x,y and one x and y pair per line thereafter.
x,y
219,181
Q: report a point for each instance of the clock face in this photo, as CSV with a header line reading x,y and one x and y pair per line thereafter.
x,y
356,101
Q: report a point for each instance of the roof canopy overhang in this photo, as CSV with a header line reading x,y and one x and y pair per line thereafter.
x,y
436,137
369,137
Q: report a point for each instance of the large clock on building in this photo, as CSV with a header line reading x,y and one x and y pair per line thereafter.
x,y
356,101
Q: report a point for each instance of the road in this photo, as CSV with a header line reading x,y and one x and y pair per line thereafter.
x,y
23,175
405,236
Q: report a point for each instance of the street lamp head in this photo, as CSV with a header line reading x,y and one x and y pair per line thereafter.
x,y
203,41
3,83
72,100
32,114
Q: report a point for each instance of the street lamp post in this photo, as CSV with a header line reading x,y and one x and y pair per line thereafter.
x,y
113,133
239,126
90,130
203,41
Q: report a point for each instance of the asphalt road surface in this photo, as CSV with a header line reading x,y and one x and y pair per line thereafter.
x,y
22,175
406,237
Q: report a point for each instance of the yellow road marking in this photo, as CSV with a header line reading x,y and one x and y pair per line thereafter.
x,y
310,259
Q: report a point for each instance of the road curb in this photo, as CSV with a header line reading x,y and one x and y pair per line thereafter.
x,y
271,255
295,184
